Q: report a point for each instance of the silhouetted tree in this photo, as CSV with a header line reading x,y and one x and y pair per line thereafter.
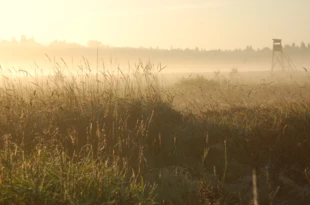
x,y
302,46
249,49
287,47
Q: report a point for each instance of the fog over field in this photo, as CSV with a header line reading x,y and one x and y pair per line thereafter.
x,y
27,54
144,102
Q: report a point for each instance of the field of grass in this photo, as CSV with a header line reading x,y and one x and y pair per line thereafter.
x,y
109,137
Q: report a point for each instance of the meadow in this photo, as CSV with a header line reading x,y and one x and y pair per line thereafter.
x,y
106,136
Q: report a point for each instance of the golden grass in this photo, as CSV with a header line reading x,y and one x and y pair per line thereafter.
x,y
123,137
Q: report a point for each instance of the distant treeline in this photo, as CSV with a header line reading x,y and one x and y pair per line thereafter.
x,y
27,50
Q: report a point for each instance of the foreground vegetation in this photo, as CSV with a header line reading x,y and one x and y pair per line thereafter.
x,y
107,137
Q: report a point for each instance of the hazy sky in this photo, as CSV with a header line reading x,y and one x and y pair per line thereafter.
x,y
206,24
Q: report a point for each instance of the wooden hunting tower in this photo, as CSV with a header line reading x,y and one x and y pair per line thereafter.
x,y
280,57
277,54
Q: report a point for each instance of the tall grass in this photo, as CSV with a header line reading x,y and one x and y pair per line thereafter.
x,y
49,176
114,136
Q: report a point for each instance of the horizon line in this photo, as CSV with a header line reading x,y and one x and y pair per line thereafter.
x,y
100,43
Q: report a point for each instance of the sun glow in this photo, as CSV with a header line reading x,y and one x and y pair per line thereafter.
x,y
206,24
